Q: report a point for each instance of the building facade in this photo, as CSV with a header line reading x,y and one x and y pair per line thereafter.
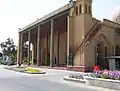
x,y
70,37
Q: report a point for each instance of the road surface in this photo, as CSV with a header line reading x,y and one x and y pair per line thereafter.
x,y
51,81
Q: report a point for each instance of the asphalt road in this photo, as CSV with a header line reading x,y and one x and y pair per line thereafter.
x,y
51,81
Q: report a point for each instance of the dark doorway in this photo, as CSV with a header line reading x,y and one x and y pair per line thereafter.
x,y
117,49
43,57
48,59
106,62
100,55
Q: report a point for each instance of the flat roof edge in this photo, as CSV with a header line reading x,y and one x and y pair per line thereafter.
x,y
62,9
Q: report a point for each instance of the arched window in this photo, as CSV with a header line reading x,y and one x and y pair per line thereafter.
x,y
80,9
76,10
89,8
105,51
85,8
100,54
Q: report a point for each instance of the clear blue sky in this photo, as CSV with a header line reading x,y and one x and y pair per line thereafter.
x,y
15,14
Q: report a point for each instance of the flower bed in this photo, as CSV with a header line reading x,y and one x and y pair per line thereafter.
x,y
77,76
105,74
32,71
104,78
25,70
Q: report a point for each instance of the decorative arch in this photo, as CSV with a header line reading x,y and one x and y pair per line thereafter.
x,y
103,47
105,38
99,53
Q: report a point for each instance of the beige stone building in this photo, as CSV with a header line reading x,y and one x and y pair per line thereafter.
x,y
70,36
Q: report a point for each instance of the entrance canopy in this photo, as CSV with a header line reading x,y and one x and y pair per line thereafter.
x,y
114,62
113,57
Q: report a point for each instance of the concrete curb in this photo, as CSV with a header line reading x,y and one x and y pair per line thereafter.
x,y
104,83
35,72
67,78
98,82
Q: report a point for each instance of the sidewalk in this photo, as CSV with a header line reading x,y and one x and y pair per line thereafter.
x,y
48,67
51,69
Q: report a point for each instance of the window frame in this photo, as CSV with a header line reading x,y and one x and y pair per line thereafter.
x,y
86,8
76,10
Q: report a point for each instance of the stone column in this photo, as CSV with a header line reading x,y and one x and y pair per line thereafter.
x,y
20,49
58,48
68,33
33,53
70,37
29,47
19,45
52,43
21,53
46,49
38,46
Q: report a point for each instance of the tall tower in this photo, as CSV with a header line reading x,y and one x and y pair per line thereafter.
x,y
82,22
84,7
82,17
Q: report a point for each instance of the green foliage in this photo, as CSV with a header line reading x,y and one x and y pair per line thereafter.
x,y
1,54
25,50
9,49
25,60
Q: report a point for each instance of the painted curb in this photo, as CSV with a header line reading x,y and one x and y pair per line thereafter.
x,y
74,80
104,83
8,68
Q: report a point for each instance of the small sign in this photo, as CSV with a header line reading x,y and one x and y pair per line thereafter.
x,y
112,64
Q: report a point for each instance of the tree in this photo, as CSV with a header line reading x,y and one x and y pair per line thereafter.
x,y
1,54
116,17
9,49
25,53
25,49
